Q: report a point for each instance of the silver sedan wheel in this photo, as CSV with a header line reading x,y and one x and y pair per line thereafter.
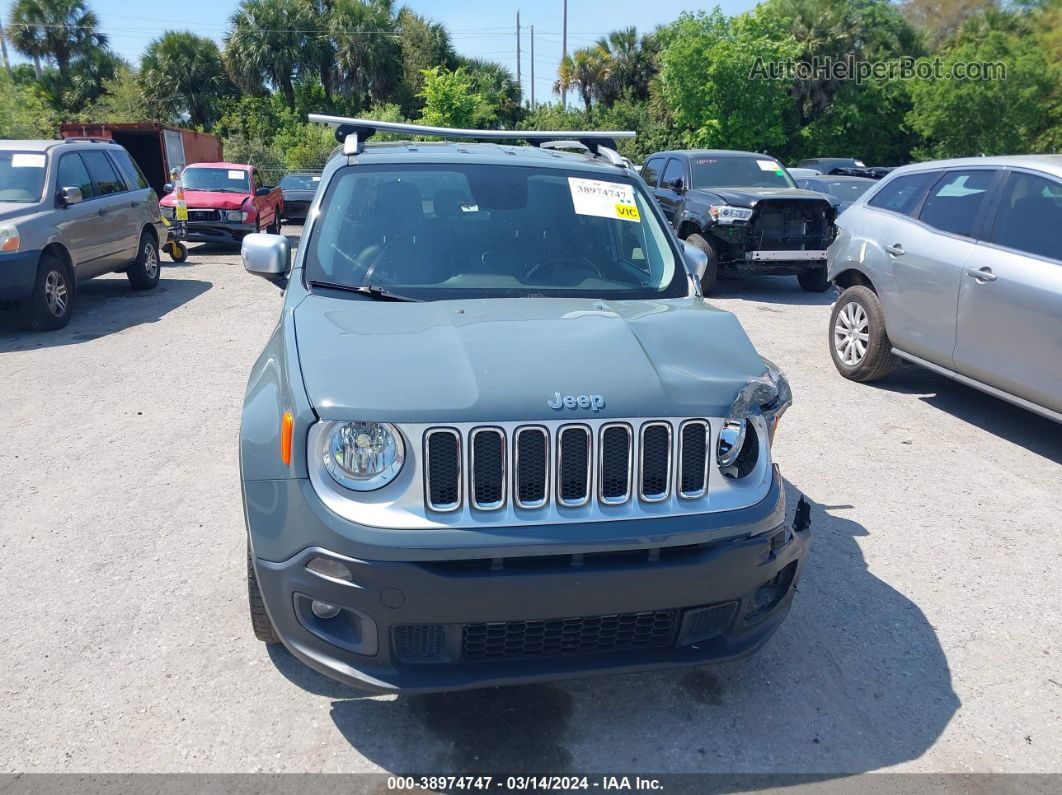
x,y
55,293
851,334
151,260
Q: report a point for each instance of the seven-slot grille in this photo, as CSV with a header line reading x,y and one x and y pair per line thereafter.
x,y
565,465
202,215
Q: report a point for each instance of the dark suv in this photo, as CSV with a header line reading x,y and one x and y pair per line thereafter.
x,y
744,212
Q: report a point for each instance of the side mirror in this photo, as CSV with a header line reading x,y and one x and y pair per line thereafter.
x,y
69,196
263,191
676,185
696,260
268,256
167,188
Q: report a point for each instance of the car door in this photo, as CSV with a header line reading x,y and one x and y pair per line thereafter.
x,y
651,172
143,202
667,195
77,223
926,255
1009,328
114,214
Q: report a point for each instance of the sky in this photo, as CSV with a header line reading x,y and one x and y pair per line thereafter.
x,y
483,28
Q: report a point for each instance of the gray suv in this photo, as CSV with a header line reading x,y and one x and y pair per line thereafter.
x,y
497,435
956,265
71,210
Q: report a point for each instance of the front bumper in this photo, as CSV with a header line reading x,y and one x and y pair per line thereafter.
x,y
210,231
18,272
450,622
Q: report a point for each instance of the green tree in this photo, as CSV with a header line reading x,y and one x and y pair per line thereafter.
x,y
87,75
368,53
585,71
630,65
58,30
271,40
122,100
498,89
424,44
941,19
23,113
990,116
305,145
183,73
451,101
707,79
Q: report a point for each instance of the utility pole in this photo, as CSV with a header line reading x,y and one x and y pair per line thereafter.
x,y
564,51
532,67
518,51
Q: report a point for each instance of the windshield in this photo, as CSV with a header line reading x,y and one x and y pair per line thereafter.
x,y
722,171
21,176
487,231
848,191
216,179
300,182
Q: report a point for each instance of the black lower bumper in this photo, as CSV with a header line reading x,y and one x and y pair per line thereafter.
x,y
18,272
450,625
212,232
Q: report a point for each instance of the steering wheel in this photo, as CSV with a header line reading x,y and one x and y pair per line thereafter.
x,y
568,263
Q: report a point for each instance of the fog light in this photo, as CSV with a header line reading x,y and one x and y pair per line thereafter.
x,y
324,610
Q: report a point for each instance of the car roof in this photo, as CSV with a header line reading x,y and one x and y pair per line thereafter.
x,y
47,145
484,153
840,178
709,153
1049,163
221,164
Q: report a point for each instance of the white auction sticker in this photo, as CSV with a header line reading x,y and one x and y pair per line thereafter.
x,y
237,174
23,160
768,165
604,199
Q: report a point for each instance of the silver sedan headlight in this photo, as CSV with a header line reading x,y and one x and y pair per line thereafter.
x,y
363,456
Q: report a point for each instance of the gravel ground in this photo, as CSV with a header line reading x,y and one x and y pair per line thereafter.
x,y
925,636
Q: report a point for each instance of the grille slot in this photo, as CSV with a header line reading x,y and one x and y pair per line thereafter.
x,y
655,474
420,642
487,448
442,468
531,452
509,640
573,465
614,477
693,459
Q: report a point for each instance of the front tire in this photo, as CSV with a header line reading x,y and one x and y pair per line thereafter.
x,y
260,622
859,343
712,271
51,303
815,280
144,272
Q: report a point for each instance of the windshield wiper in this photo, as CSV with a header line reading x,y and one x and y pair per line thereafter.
x,y
379,293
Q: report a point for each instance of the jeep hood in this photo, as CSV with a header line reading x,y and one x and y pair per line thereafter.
x,y
503,359
750,197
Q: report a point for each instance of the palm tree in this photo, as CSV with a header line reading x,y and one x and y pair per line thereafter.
x,y
584,70
368,53
271,40
631,65
183,73
497,87
58,30
87,75
424,44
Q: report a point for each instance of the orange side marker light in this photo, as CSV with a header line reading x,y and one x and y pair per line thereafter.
x,y
287,427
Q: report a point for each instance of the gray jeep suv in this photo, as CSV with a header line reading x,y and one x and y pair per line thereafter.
x,y
497,435
71,210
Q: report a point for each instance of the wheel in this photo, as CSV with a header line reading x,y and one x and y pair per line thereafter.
x,y
712,271
49,307
814,280
859,344
178,251
262,626
144,272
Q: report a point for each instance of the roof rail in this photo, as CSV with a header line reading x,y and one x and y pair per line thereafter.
x,y
353,133
86,139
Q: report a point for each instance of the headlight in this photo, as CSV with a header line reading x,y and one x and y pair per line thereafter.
x,y
363,456
167,212
9,239
725,214
767,396
234,215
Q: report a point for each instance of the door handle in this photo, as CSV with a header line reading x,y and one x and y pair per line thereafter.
x,y
981,274
134,204
895,249
104,211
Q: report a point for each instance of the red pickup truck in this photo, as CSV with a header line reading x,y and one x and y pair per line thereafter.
x,y
225,201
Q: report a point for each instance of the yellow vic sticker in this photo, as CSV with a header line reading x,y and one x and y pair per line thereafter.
x,y
627,212
182,211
